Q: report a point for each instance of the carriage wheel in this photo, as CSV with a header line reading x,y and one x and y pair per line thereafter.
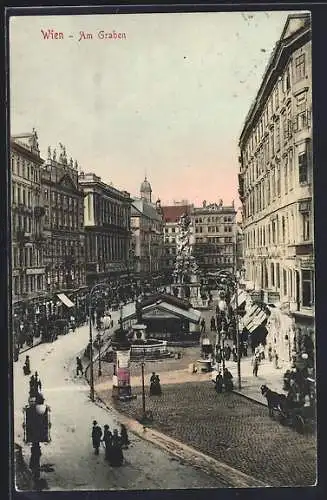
x,y
298,424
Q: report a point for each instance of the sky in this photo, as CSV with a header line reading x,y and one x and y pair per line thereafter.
x,y
168,101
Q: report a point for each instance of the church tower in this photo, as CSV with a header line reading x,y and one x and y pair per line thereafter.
x,y
146,190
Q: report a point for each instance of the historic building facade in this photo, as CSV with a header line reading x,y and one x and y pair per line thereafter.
x,y
276,177
27,218
215,231
147,233
63,224
107,219
171,217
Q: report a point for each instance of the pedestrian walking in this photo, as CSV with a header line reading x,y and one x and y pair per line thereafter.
x,y
124,436
117,457
27,366
79,366
227,352
256,363
96,437
234,353
219,383
261,352
212,324
107,440
203,325
275,356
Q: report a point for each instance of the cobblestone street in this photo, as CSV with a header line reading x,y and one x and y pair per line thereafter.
x,y
232,430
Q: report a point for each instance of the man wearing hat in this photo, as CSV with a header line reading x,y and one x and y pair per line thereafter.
x,y
96,436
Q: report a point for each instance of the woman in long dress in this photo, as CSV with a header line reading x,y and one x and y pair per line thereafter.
x,y
117,457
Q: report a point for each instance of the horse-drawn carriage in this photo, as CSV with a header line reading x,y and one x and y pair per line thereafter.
x,y
297,414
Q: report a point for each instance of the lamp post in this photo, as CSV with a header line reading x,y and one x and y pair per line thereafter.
x,y
99,368
143,390
36,429
91,341
237,333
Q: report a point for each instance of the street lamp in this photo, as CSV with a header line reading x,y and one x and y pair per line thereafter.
x,y
91,340
36,429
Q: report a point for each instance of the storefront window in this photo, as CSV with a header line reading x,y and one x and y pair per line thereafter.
x,y
307,289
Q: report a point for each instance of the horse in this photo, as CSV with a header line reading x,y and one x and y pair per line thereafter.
x,y
275,401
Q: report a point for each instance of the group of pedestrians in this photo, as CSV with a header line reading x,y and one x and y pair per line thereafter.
x,y
113,442
260,355
224,381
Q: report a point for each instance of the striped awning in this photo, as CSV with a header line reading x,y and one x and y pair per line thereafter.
x,y
65,300
254,317
241,298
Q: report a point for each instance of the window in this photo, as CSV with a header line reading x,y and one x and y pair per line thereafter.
x,y
277,130
303,167
272,270
277,276
306,226
286,175
307,288
278,181
276,97
273,231
300,67
283,230
287,80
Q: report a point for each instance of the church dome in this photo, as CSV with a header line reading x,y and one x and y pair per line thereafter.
x,y
145,186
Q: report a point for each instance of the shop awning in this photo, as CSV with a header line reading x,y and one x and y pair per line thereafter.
x,y
65,300
241,298
254,317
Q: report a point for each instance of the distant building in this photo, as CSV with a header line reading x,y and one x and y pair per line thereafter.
x,y
63,224
27,218
171,217
107,217
276,178
147,233
215,231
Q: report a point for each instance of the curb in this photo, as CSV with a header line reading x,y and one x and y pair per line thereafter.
x,y
192,456
249,398
30,347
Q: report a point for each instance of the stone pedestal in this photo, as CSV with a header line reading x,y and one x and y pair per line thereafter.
x,y
139,332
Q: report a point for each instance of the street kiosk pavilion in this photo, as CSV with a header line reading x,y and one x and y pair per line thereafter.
x,y
165,316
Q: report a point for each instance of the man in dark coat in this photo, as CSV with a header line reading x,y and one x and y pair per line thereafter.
x,y
96,436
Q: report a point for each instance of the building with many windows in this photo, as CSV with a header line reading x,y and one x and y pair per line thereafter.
x,y
276,177
215,231
147,233
171,217
64,252
107,217
27,218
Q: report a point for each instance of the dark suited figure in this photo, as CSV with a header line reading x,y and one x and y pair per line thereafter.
x,y
124,436
107,439
79,366
96,436
117,456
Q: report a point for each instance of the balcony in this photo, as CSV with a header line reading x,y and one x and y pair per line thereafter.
x,y
39,211
22,208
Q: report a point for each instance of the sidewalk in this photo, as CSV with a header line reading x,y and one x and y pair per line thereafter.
x,y
250,385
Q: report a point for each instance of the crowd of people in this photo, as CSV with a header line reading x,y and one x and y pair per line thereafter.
x,y
113,443
47,319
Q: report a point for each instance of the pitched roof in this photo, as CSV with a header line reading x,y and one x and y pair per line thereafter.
x,y
193,315
173,213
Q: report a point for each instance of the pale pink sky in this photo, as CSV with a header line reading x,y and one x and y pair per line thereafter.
x,y
169,101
